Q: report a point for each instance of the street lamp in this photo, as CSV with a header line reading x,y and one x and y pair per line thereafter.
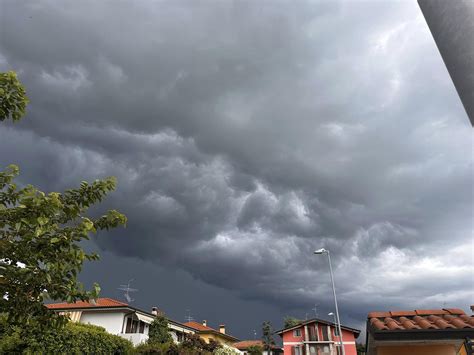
x,y
321,252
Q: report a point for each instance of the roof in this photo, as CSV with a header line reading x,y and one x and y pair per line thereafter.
x,y
200,327
245,344
104,303
99,303
205,329
317,320
452,322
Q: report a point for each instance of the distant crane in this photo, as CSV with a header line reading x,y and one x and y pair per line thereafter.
x,y
127,290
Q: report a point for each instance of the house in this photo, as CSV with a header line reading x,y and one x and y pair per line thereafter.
x,y
419,332
118,318
208,333
244,346
318,337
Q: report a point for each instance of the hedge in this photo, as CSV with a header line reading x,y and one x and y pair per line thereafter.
x,y
74,338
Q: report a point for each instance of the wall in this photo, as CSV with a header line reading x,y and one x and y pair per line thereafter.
x,y
111,321
347,338
417,350
207,336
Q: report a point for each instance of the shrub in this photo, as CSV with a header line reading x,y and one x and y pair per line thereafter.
x,y
158,348
74,338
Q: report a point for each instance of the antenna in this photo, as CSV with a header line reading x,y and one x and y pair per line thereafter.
x,y
127,290
188,317
254,334
315,309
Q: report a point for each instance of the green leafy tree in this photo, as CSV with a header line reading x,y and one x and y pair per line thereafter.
x,y
74,338
291,321
255,350
158,332
13,99
226,351
360,349
193,342
267,336
212,346
40,235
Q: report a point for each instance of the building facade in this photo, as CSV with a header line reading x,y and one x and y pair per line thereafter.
x,y
207,333
118,318
318,337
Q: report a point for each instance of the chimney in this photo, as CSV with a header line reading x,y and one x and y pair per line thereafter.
x,y
222,328
204,323
154,311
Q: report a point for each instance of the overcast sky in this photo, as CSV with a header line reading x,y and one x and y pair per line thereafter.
x,y
244,135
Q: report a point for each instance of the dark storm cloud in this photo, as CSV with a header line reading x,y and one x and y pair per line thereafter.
x,y
244,135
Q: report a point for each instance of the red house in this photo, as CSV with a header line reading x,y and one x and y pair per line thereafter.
x,y
318,337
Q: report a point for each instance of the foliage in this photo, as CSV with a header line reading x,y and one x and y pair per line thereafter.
x,y
191,345
13,98
361,350
267,336
169,348
226,351
74,338
158,332
40,237
40,234
194,344
255,350
291,321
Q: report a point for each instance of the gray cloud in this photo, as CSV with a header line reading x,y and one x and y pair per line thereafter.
x,y
245,135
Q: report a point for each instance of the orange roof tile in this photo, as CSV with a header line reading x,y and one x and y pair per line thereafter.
x,y
199,326
448,318
202,328
244,344
99,303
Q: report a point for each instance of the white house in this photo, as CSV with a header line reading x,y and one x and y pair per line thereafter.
x,y
118,318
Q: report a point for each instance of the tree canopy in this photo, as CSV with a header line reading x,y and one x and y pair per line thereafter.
x,y
267,336
13,99
40,233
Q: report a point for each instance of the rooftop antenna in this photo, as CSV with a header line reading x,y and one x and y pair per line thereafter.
x,y
127,290
188,317
315,309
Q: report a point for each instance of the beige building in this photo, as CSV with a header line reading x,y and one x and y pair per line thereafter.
x,y
208,333
419,332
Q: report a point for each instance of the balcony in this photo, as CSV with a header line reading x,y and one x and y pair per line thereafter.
x,y
135,338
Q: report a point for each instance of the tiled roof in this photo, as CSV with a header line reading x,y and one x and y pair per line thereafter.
x,y
245,344
242,345
99,303
200,327
317,320
427,319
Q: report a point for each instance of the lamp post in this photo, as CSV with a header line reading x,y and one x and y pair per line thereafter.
x,y
321,252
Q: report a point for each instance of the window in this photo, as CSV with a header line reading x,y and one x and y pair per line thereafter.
x,y
296,350
325,333
297,332
128,328
313,333
336,331
142,327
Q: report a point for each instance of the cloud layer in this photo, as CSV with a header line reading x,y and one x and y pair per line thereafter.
x,y
245,135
